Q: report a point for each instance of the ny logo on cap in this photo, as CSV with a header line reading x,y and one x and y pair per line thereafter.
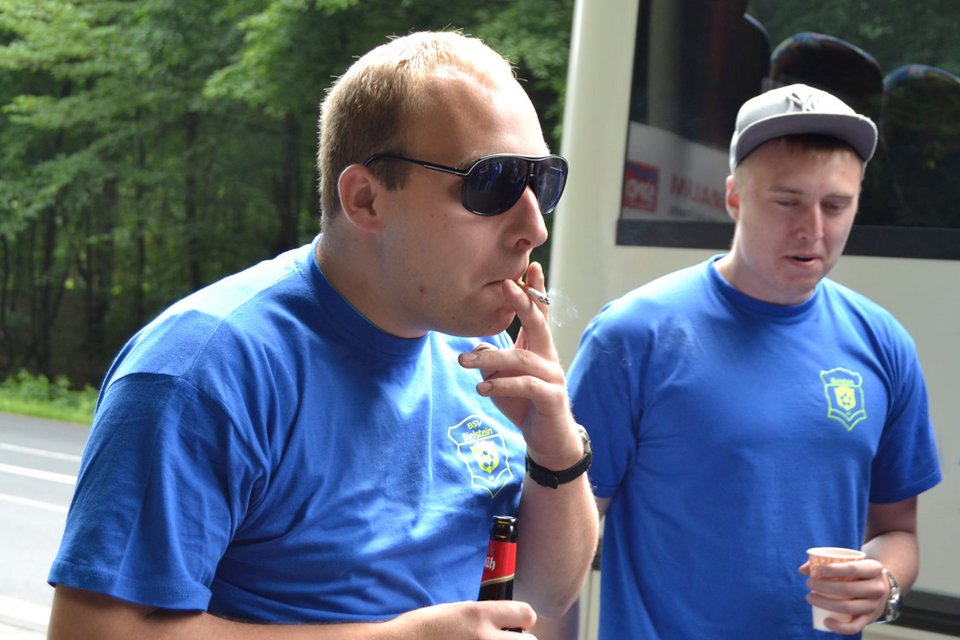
x,y
798,102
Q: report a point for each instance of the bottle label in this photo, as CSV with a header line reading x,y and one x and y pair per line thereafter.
x,y
501,562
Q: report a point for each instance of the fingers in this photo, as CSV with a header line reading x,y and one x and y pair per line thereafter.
x,y
527,382
534,277
508,615
847,571
533,314
465,620
870,589
470,360
518,373
847,615
845,625
856,591
500,364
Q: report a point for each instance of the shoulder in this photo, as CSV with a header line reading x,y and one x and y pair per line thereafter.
x,y
679,292
864,322
241,313
863,312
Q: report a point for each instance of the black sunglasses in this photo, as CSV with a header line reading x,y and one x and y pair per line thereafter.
x,y
493,184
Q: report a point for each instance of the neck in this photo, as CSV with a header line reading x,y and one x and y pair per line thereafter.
x,y
351,267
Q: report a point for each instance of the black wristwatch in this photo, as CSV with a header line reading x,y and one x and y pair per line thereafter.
x,y
553,479
892,612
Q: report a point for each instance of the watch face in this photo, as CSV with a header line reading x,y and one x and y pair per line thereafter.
x,y
893,606
585,437
892,612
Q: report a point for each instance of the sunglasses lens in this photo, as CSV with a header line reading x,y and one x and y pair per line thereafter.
x,y
494,185
551,177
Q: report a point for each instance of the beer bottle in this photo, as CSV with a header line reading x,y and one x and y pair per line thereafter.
x,y
500,565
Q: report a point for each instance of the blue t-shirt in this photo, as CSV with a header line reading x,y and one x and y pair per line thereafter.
x,y
263,452
731,435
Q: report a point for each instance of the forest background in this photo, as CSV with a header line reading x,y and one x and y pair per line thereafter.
x,y
150,147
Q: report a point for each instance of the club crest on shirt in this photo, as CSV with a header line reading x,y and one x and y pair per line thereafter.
x,y
482,448
844,391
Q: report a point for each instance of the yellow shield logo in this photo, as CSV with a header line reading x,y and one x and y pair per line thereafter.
x,y
483,450
844,391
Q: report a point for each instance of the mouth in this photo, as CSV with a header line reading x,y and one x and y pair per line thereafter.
x,y
536,295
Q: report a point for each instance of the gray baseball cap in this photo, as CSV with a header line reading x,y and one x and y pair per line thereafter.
x,y
799,109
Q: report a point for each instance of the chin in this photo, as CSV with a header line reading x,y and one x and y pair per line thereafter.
x,y
502,322
475,327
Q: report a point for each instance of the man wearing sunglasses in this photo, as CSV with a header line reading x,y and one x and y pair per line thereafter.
x,y
315,447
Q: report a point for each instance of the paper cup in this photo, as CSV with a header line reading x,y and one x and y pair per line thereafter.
x,y
829,555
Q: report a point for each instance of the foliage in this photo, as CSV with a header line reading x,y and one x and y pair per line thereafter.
x,y
36,395
887,29
149,147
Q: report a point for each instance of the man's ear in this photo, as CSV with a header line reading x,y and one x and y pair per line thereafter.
x,y
732,199
359,188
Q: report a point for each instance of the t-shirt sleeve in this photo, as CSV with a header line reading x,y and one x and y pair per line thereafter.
x,y
906,463
165,479
604,381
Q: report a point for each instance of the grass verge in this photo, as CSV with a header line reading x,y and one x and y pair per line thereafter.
x,y
27,394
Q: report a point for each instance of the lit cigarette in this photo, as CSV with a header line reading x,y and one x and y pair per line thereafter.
x,y
537,295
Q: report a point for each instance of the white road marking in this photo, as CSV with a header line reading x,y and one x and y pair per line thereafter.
x,y
37,504
43,453
40,474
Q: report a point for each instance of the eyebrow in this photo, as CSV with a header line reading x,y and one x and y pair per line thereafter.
x,y
783,189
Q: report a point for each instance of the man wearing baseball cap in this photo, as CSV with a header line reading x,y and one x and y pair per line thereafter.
x,y
748,408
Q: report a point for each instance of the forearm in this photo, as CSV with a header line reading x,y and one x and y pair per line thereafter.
x,y
84,615
566,627
203,626
899,553
80,615
891,539
558,535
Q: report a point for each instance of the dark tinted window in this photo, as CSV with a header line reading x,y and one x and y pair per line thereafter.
x,y
696,61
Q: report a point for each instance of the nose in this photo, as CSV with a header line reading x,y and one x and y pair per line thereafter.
x,y
810,225
528,228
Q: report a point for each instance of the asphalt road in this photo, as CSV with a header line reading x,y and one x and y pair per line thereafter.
x,y
39,460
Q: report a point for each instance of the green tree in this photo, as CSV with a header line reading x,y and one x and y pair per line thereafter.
x,y
151,147
894,32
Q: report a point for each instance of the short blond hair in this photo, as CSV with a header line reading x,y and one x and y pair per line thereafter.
x,y
815,144
368,109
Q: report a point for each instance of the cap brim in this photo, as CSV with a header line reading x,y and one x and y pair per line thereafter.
x,y
857,131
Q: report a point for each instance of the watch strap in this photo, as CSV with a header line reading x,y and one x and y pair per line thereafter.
x,y
553,479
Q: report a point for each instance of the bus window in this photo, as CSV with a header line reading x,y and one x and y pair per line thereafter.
x,y
696,61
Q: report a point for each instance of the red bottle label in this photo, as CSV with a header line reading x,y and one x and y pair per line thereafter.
x,y
501,562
